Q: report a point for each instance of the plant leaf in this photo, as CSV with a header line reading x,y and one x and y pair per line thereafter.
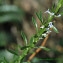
x,y
34,22
5,60
32,40
10,13
39,15
9,17
24,37
24,47
9,8
55,29
13,52
44,48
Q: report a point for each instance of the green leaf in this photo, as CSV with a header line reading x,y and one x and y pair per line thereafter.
x,y
55,29
9,18
24,37
34,22
22,48
39,15
44,48
5,60
33,40
59,5
10,13
61,11
9,8
13,52
41,31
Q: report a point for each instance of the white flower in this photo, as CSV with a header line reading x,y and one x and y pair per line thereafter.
x,y
44,34
58,15
48,31
47,11
51,13
40,38
42,26
50,25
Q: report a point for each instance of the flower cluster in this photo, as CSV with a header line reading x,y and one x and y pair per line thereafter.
x,y
50,25
52,14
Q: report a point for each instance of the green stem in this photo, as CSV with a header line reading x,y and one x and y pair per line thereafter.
x,y
58,6
49,19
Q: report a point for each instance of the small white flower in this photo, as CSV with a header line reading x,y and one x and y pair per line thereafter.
x,y
51,13
42,26
44,34
48,31
47,11
58,15
40,38
50,25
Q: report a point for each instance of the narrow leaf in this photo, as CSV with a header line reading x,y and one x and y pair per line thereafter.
x,y
32,40
9,8
13,52
22,48
44,48
55,29
5,60
9,17
24,37
39,15
34,22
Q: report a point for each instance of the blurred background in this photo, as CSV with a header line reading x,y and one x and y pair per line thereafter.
x,y
16,15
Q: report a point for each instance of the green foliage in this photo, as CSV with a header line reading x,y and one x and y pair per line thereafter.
x,y
24,37
39,15
41,31
59,4
11,13
44,48
55,29
7,16
15,52
35,23
9,8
